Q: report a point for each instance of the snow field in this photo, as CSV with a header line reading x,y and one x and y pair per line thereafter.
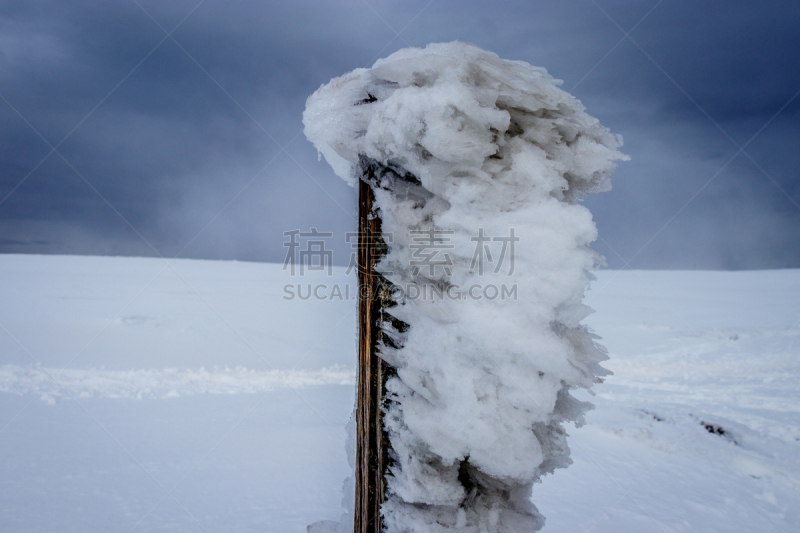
x,y
686,347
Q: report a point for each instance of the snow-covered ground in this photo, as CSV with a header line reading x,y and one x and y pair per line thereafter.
x,y
193,397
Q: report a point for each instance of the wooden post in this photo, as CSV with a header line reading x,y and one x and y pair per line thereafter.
x,y
372,445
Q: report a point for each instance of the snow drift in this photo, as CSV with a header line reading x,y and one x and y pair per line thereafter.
x,y
475,413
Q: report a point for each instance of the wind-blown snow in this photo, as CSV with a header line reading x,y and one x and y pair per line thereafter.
x,y
475,415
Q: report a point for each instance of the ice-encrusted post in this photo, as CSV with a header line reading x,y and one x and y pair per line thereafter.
x,y
374,321
371,444
465,368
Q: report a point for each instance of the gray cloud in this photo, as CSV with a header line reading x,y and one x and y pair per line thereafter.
x,y
197,169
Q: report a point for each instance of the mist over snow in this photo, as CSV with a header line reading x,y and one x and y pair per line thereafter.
x,y
183,136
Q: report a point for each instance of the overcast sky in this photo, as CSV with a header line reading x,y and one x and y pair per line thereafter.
x,y
121,138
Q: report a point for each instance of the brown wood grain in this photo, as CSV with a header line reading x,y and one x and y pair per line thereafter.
x,y
372,445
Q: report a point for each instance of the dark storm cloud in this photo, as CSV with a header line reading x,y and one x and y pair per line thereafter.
x,y
186,148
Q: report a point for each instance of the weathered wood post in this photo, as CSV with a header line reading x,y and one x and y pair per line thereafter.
x,y
446,143
375,299
372,445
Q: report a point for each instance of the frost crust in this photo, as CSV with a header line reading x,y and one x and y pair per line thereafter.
x,y
475,415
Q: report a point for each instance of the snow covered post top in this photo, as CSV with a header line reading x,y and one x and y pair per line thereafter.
x,y
449,108
476,152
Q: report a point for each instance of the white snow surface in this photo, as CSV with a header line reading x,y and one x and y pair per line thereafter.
x,y
162,382
475,415
722,348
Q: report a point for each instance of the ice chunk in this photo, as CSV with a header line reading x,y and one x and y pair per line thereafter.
x,y
496,152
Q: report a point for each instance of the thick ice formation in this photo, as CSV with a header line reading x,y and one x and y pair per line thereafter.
x,y
475,413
